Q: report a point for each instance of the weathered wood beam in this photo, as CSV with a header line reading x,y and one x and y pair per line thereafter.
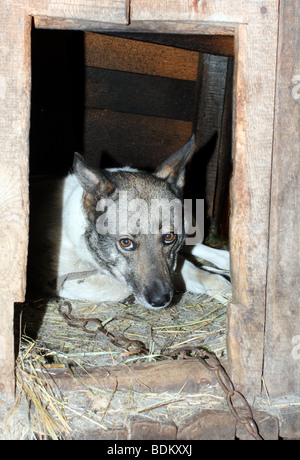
x,y
282,341
186,375
15,29
104,11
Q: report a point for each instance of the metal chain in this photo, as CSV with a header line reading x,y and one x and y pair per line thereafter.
x,y
206,358
132,346
211,362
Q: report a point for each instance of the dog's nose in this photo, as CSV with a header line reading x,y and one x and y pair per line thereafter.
x,y
160,300
157,295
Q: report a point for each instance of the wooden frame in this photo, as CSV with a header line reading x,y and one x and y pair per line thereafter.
x,y
257,181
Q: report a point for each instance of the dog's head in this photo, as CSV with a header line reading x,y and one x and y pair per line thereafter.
x,y
135,226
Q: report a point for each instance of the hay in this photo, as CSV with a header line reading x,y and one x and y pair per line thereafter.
x,y
191,320
42,406
40,411
46,341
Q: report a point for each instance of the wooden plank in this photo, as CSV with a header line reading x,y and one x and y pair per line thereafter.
x,y
179,27
126,55
106,11
148,430
289,417
208,425
139,94
221,209
267,425
14,122
250,193
221,45
210,111
186,376
145,141
282,342
214,11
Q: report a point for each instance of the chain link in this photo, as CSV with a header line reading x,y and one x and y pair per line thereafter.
x,y
206,358
132,346
211,362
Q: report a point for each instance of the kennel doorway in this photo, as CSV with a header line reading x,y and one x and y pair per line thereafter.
x,y
257,257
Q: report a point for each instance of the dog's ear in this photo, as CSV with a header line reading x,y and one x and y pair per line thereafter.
x,y
173,168
92,180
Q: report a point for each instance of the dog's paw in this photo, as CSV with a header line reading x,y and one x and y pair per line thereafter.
x,y
217,287
198,281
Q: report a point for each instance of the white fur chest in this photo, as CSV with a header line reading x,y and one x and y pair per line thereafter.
x,y
74,254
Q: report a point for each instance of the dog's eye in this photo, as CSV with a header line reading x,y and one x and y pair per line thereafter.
x,y
169,238
127,244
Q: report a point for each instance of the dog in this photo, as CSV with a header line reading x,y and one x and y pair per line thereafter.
x,y
73,259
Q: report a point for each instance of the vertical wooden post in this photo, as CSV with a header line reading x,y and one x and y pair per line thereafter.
x,y
14,122
213,83
254,92
282,342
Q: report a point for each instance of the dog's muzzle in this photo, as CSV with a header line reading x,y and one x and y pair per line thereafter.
x,y
158,295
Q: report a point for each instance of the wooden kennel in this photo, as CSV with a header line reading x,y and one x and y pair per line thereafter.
x,y
263,321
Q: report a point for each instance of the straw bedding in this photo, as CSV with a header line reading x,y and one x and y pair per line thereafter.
x,y
191,320
46,341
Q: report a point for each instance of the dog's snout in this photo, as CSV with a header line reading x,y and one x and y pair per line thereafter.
x,y
158,295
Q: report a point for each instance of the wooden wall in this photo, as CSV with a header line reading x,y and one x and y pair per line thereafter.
x,y
282,343
14,152
139,99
